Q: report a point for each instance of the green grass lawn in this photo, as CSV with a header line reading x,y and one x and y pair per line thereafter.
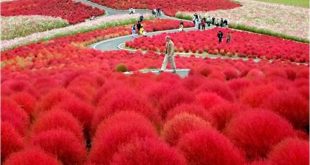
x,y
301,3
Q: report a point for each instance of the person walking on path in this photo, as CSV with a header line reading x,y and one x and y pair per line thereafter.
x,y
220,36
133,30
209,21
181,27
169,55
203,23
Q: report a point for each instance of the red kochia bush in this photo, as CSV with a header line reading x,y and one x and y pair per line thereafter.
x,y
31,156
173,98
53,98
116,131
11,141
147,151
63,144
25,100
12,113
291,151
58,119
180,125
222,113
190,108
256,131
209,99
122,99
79,109
291,105
255,95
209,147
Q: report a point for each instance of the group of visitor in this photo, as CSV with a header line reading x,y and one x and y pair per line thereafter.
x,y
138,29
157,12
201,22
220,36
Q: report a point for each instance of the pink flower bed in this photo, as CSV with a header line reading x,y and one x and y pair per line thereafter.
x,y
170,7
243,44
66,100
66,9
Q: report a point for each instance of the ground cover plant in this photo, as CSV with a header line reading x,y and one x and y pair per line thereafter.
x,y
242,44
74,12
179,5
19,26
104,119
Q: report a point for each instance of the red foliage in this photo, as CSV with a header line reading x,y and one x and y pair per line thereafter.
x,y
63,144
79,109
166,6
12,113
254,96
58,119
11,141
109,137
31,156
294,108
209,147
256,131
180,125
291,151
243,44
223,113
72,11
173,98
147,151
122,99
190,108
209,99
25,100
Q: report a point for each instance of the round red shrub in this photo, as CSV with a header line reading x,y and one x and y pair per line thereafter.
x,y
121,100
173,98
180,125
147,151
209,99
217,87
209,147
255,95
11,141
255,74
12,113
256,131
25,100
31,156
79,109
291,105
116,131
53,98
223,113
260,162
58,119
63,144
291,151
190,108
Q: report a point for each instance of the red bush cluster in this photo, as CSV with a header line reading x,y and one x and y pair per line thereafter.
x,y
243,44
166,6
290,152
256,131
74,12
70,99
31,156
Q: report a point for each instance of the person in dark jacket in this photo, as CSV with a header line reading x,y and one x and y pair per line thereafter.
x,y
141,18
222,22
203,23
220,36
139,27
213,21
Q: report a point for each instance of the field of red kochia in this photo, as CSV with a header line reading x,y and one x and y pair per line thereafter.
x,y
65,104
